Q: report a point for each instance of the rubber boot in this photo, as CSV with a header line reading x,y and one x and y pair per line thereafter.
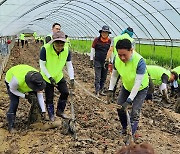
x,y
123,120
11,120
134,126
60,109
50,109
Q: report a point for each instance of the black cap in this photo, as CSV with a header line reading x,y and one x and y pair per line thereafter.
x,y
35,81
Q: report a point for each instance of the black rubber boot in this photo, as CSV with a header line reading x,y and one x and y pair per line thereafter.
x,y
123,120
50,109
60,109
11,120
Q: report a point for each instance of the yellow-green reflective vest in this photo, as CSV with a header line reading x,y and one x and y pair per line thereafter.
x,y
22,36
177,70
121,37
155,72
20,71
127,72
55,63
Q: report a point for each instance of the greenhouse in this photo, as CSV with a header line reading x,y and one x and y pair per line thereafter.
x,y
75,61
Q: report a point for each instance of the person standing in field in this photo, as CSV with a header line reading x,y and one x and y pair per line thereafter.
x,y
56,27
53,57
22,38
98,55
132,69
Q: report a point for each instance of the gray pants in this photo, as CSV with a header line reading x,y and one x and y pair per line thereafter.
x,y
136,107
100,78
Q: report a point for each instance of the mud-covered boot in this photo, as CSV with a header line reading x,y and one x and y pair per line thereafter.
x,y
50,109
123,120
11,120
60,109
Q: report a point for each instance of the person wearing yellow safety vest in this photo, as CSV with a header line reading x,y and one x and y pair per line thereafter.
x,y
35,36
161,77
174,87
56,27
53,57
132,68
126,34
176,90
22,38
23,81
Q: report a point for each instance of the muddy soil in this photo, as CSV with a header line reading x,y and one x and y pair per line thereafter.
x,y
98,128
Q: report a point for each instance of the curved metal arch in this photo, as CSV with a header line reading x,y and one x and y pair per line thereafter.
x,y
72,21
163,16
90,13
133,21
79,20
101,12
89,16
68,10
152,16
37,6
173,7
85,27
66,23
138,20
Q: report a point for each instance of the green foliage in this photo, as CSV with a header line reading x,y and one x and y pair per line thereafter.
x,y
158,55
83,46
161,55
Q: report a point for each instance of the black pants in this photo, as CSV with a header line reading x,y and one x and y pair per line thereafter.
x,y
22,43
62,88
100,77
14,101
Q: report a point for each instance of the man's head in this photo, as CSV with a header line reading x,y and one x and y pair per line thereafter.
x,y
35,81
58,40
105,31
56,27
124,49
173,76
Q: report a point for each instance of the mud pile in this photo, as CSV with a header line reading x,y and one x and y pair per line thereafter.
x,y
98,128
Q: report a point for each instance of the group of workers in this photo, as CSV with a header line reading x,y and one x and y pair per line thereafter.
x,y
138,79
26,82
135,75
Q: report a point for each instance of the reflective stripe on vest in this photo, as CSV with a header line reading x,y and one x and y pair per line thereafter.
x,y
127,72
20,71
55,63
156,72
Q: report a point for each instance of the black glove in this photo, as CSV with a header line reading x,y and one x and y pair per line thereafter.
x,y
106,63
91,63
72,83
126,104
53,82
110,97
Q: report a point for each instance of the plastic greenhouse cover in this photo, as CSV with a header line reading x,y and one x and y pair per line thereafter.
x,y
157,19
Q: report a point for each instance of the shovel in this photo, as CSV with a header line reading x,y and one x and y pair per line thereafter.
x,y
69,124
130,138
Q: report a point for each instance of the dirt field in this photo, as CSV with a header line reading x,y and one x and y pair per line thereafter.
x,y
98,128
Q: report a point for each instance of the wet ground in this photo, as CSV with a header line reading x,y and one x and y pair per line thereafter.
x,y
98,128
